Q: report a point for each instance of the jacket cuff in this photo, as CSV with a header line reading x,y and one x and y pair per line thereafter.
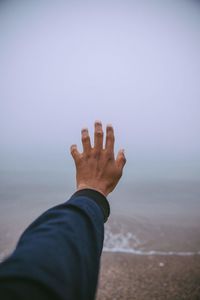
x,y
97,197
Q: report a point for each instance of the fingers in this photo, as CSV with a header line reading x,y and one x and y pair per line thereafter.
x,y
121,159
98,140
110,139
98,136
74,152
86,140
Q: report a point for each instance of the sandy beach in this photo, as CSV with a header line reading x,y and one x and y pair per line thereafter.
x,y
129,276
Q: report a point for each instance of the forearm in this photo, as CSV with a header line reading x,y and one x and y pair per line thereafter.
x,y
58,255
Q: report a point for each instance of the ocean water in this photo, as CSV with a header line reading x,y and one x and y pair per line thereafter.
x,y
151,240
147,217
155,218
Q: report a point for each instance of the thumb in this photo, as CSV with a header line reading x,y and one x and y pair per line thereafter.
x,y
121,159
75,153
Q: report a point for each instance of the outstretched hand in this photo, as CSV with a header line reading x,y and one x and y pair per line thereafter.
x,y
96,167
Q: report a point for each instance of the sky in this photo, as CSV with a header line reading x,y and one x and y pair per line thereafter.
x,y
135,64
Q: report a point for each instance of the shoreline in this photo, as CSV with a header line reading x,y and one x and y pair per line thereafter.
x,y
151,252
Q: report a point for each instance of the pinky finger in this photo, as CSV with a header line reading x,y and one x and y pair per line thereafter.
x,y
74,152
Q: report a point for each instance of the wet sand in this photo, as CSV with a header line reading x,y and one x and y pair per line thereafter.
x,y
129,276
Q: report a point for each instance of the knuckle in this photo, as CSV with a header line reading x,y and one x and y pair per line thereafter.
x,y
97,153
111,137
99,134
87,155
73,150
96,156
78,159
85,138
109,155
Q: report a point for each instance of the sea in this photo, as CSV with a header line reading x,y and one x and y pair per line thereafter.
x,y
148,217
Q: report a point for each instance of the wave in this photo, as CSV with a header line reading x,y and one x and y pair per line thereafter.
x,y
151,252
126,242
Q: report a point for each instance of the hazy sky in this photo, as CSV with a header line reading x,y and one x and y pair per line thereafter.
x,y
135,64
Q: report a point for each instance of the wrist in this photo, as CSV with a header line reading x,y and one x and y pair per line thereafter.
x,y
97,197
91,187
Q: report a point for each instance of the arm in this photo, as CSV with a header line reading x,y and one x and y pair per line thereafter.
x,y
58,255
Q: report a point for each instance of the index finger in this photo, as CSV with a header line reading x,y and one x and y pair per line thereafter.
x,y
110,139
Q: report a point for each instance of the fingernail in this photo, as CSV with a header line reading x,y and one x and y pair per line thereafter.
x,y
98,123
109,126
84,130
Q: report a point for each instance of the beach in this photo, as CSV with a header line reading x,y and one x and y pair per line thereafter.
x,y
141,277
151,243
149,258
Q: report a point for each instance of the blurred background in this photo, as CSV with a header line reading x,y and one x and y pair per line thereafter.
x,y
135,64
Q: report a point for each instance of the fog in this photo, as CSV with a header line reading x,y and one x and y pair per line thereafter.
x,y
134,64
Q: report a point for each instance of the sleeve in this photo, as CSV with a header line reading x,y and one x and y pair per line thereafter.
x,y
58,255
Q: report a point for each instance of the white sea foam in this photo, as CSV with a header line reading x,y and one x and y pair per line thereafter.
x,y
151,252
129,243
120,240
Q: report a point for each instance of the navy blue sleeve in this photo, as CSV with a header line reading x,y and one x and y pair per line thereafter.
x,y
58,255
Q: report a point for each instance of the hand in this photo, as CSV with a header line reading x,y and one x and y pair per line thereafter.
x,y
96,167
